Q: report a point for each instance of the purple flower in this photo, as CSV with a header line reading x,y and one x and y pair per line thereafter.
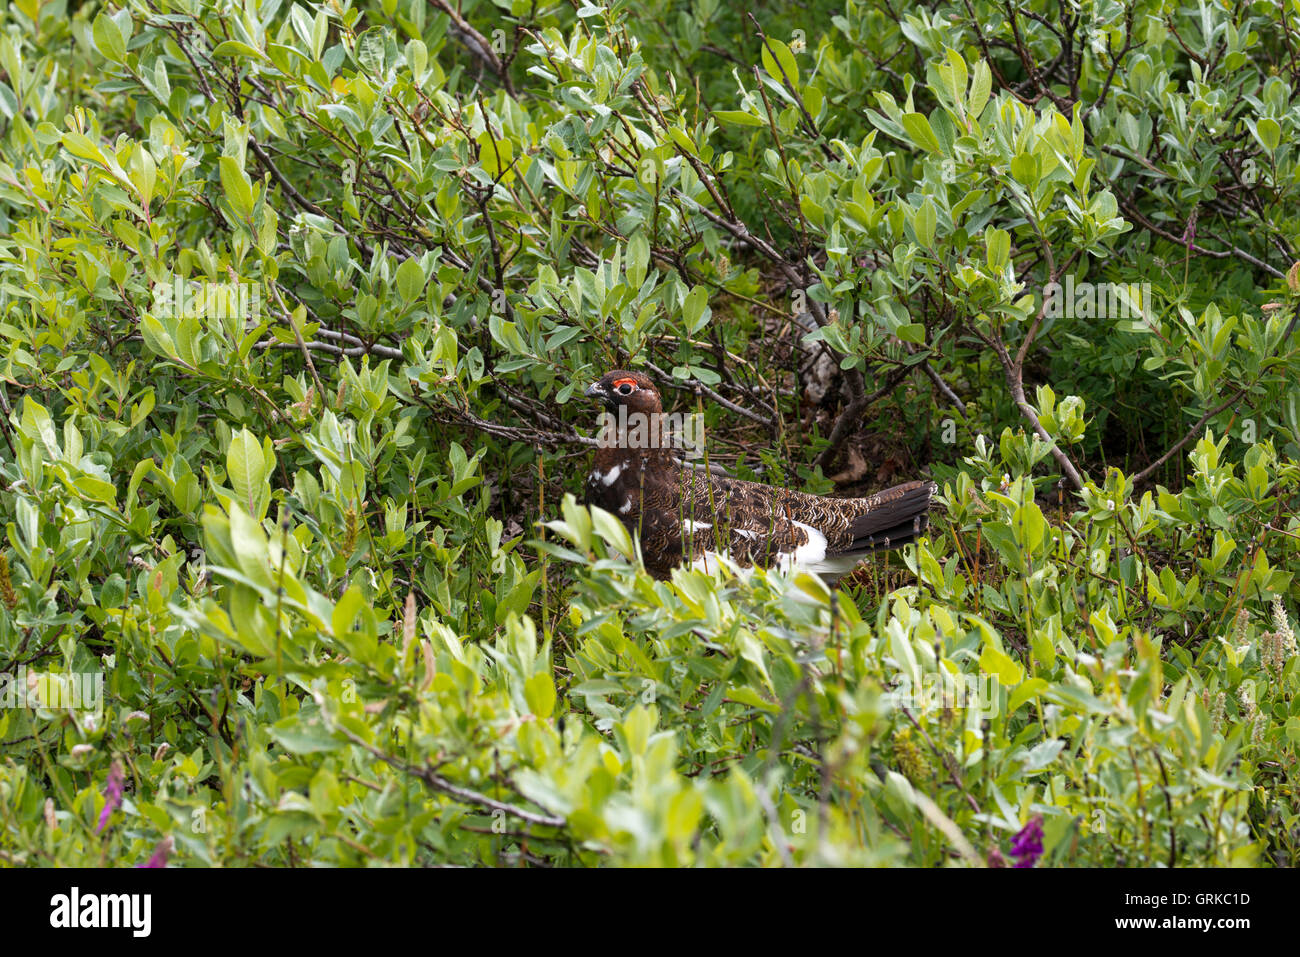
x,y
112,795
160,854
1027,845
1189,233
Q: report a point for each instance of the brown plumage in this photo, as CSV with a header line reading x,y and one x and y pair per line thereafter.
x,y
682,513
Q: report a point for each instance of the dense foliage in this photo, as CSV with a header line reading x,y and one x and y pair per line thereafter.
x,y
297,303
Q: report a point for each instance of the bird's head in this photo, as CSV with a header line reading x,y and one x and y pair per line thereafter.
x,y
633,390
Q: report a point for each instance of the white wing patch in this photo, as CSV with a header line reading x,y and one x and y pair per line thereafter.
x,y
835,566
610,477
690,528
813,550
811,556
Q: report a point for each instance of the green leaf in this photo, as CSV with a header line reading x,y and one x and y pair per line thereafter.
x,y
410,280
347,609
299,735
156,337
83,147
494,155
1269,133
37,425
108,38
1024,168
1029,688
1006,669
911,332
638,259
539,692
96,490
919,131
739,118
246,468
1293,729
693,308
142,469
611,530
237,187
998,243
776,58
981,85
1043,754
925,223
234,48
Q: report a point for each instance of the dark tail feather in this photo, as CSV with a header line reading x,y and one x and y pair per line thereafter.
x,y
893,517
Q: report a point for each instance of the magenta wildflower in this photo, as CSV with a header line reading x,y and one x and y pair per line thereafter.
x,y
1027,845
160,854
112,795
1189,233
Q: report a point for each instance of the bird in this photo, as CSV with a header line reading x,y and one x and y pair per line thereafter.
x,y
683,513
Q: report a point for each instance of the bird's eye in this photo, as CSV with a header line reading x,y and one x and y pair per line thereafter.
x,y
625,389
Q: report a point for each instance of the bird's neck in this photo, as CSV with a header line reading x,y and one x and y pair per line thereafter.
x,y
637,442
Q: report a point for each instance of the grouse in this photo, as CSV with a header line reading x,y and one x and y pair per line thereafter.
x,y
683,513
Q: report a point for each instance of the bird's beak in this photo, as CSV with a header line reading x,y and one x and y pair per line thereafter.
x,y
595,391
